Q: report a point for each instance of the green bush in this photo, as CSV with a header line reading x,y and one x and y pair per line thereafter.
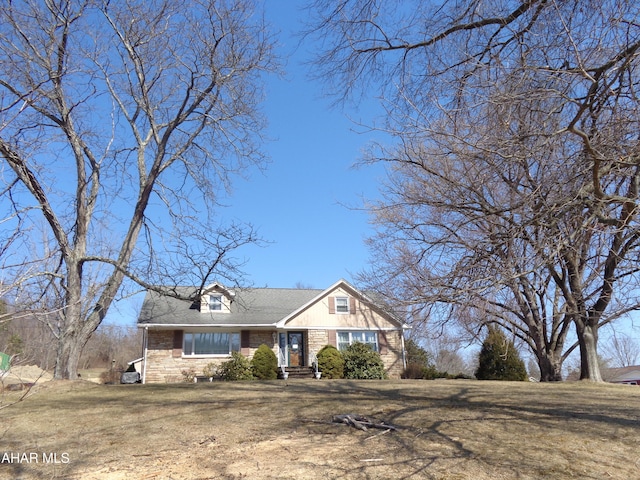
x,y
264,363
415,354
238,368
419,364
362,362
330,362
431,373
499,359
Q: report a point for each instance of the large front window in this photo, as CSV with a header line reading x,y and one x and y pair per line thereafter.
x,y
347,338
211,343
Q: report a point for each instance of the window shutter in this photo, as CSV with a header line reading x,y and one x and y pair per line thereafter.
x,y
177,343
352,305
333,338
332,304
245,342
383,345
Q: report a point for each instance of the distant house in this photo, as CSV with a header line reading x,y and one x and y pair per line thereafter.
x,y
294,323
624,375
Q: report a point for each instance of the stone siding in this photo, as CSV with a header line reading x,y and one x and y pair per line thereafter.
x,y
164,367
258,338
393,361
316,339
392,358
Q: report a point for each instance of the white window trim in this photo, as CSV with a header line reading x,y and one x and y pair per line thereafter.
x,y
218,302
217,298
336,305
208,355
351,341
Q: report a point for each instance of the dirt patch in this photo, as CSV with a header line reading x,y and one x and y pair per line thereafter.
x,y
269,430
26,374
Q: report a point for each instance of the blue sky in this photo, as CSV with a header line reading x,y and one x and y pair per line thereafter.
x,y
307,204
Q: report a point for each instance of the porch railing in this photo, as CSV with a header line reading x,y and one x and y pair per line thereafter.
x,y
313,361
282,360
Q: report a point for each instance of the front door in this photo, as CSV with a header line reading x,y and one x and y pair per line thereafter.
x,y
296,349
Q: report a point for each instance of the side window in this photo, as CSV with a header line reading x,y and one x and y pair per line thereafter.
x,y
367,337
342,305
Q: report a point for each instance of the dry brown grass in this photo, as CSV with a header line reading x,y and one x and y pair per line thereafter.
x,y
447,430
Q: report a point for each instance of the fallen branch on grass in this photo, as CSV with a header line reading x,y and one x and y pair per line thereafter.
x,y
361,422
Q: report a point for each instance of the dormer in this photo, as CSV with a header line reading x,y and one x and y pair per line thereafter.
x,y
216,298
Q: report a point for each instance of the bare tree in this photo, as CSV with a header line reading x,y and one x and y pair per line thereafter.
x,y
36,340
467,235
623,350
112,346
555,80
115,116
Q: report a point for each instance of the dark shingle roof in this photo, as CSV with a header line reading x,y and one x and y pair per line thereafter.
x,y
251,307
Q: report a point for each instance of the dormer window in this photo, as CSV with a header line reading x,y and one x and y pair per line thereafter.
x,y
215,303
216,299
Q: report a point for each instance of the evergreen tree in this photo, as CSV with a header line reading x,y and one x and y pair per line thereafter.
x,y
416,355
499,359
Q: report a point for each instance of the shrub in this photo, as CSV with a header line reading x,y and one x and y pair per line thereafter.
x,y
330,362
419,364
416,354
238,368
413,371
109,377
499,359
188,376
211,370
362,362
430,372
264,363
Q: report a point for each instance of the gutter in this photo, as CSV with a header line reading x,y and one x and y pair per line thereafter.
x,y
180,326
145,342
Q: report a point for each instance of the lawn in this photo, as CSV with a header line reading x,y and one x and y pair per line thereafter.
x,y
457,429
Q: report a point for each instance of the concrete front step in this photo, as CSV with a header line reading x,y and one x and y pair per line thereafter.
x,y
297,372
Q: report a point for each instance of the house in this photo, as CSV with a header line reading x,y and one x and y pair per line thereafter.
x,y
294,323
625,375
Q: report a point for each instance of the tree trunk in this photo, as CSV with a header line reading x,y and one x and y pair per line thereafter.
x,y
550,368
588,341
76,327
68,357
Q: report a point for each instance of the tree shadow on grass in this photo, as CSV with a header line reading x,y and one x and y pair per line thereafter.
x,y
451,425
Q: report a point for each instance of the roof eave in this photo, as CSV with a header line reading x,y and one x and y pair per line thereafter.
x,y
342,281
208,325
